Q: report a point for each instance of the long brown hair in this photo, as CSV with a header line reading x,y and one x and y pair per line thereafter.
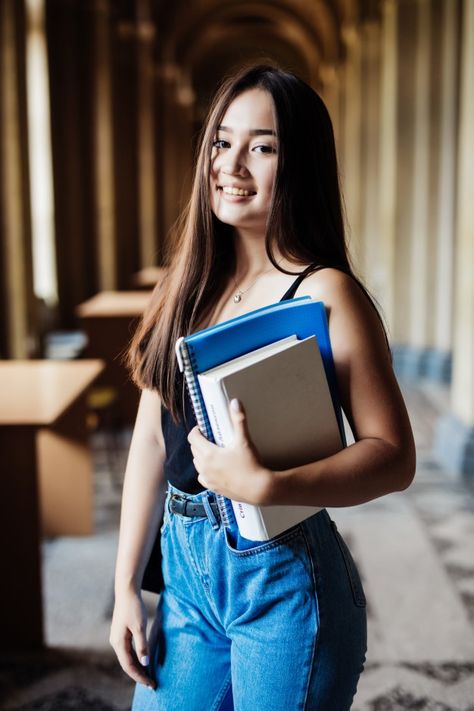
x,y
305,224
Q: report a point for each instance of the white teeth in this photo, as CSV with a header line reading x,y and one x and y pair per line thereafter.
x,y
236,191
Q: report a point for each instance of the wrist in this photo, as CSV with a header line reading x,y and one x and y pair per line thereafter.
x,y
271,487
126,586
281,490
298,486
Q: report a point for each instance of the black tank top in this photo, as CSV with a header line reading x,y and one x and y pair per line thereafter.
x,y
179,469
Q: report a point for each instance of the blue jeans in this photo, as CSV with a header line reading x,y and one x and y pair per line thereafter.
x,y
279,626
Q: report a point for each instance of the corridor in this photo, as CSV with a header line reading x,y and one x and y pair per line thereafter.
x,y
101,105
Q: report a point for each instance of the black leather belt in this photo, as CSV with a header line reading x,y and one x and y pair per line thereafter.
x,y
184,507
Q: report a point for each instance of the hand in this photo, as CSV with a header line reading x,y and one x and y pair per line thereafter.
x,y
129,622
234,471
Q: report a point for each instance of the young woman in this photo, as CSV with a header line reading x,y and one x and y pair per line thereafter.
x,y
281,625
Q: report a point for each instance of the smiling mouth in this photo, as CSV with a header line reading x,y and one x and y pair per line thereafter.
x,y
236,191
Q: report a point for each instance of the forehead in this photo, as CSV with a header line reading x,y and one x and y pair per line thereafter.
x,y
251,109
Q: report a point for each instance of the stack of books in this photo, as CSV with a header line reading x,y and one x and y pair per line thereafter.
x,y
278,362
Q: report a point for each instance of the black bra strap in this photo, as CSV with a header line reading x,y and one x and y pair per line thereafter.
x,y
289,294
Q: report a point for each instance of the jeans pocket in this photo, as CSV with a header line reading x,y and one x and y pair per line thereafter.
x,y
260,547
351,568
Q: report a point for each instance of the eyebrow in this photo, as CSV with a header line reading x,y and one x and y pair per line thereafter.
x,y
252,131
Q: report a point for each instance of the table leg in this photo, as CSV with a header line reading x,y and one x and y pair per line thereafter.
x,y
21,610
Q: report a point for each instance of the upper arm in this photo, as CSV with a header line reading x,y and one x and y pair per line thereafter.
x,y
368,389
148,420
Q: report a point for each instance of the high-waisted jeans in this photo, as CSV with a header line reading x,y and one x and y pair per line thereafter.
x,y
280,627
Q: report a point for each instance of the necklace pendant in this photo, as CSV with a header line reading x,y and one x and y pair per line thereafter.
x,y
237,298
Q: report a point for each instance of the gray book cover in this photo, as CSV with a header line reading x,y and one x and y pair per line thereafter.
x,y
288,404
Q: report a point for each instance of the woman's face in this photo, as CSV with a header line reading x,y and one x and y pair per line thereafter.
x,y
244,162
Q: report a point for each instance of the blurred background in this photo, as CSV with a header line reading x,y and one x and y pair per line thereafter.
x,y
101,102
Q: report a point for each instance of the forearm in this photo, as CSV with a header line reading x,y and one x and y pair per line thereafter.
x,y
364,471
140,513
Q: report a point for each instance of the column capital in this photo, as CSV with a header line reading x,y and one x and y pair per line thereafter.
x,y
101,7
350,35
327,74
168,71
185,95
141,32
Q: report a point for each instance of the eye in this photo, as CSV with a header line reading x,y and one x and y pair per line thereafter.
x,y
220,143
264,149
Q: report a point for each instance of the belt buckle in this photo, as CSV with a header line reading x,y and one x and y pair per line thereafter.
x,y
181,502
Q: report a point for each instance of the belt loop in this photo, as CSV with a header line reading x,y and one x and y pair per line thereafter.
x,y
209,512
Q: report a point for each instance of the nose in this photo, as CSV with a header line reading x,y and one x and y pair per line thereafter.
x,y
233,164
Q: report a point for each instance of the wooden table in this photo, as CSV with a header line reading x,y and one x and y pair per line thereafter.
x,y
148,277
45,480
109,320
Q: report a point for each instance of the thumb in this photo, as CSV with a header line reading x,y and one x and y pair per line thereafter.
x,y
239,420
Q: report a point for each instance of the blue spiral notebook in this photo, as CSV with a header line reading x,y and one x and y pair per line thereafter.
x,y
205,349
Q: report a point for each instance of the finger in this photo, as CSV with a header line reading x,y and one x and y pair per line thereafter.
x,y
199,444
196,438
203,481
128,661
239,421
202,478
193,435
141,647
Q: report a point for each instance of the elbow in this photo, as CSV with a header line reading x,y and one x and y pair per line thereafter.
x,y
406,467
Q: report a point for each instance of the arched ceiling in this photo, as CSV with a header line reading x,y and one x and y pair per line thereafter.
x,y
200,41
206,38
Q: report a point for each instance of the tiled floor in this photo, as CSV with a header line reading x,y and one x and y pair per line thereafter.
x,y
415,551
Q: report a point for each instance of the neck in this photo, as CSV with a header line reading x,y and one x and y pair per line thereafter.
x,y
250,255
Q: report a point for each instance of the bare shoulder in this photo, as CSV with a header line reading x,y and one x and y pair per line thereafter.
x,y
331,285
354,321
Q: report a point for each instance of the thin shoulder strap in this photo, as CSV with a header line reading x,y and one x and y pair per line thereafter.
x,y
289,294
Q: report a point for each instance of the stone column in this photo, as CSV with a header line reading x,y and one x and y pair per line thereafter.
x,y
403,276
444,90
421,243
370,88
40,160
147,188
186,100
455,437
383,273
15,260
177,100
351,130
104,156
330,92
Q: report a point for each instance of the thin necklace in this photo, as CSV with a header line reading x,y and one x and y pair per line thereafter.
x,y
240,292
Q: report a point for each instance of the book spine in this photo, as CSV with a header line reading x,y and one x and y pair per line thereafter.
x,y
248,517
250,521
189,370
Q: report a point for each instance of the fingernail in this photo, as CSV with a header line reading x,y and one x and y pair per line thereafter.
x,y
235,404
144,661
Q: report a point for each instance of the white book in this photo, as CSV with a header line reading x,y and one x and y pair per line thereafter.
x,y
290,415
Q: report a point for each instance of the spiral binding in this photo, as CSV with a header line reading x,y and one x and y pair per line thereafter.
x,y
226,511
224,504
193,390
